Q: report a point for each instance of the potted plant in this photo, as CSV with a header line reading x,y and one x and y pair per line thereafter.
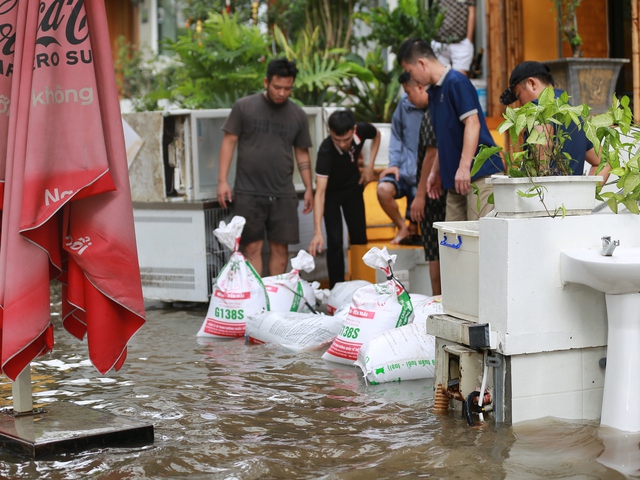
x,y
539,179
587,80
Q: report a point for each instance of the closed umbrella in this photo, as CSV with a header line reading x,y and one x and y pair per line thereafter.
x,y
67,209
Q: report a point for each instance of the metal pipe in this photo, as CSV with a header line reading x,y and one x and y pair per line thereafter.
x,y
484,383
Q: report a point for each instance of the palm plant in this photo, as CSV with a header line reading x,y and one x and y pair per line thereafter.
x,y
374,90
320,73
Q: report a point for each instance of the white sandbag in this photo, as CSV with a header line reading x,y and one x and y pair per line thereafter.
x,y
238,291
286,291
418,298
292,330
312,291
425,306
374,309
342,293
401,354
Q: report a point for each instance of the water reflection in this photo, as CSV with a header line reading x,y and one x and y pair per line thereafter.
x,y
226,410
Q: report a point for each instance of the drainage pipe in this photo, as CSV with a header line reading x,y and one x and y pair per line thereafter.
x,y
484,383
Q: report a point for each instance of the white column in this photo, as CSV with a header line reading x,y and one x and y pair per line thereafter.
x,y
621,399
22,398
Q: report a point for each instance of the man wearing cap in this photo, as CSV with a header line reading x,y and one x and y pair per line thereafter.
x,y
526,83
460,129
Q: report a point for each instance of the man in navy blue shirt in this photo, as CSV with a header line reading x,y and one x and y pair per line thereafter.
x,y
399,178
526,83
460,129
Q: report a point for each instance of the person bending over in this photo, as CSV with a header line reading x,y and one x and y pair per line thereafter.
x,y
339,187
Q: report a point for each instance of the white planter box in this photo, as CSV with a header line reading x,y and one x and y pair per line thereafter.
x,y
576,193
459,274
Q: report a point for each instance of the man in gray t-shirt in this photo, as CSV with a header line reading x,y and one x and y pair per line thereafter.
x,y
267,128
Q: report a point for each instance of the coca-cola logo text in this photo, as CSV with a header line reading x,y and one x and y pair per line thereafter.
x,y
8,13
66,14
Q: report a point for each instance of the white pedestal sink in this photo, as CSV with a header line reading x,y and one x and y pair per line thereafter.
x,y
621,451
618,276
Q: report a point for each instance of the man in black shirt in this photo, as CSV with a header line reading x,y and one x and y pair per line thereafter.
x,y
339,185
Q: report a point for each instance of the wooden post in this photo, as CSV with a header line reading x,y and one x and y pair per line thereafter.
x,y
504,48
495,56
22,398
635,58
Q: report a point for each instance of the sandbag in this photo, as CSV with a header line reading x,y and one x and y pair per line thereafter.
x,y
342,293
238,291
373,309
400,354
292,330
287,291
313,291
424,306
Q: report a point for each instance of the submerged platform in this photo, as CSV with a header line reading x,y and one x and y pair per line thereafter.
x,y
65,427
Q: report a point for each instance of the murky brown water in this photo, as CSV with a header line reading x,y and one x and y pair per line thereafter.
x,y
226,410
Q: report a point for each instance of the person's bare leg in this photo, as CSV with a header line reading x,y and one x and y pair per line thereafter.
x,y
386,193
434,274
278,258
253,253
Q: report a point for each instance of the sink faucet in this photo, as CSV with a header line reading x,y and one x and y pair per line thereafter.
x,y
608,246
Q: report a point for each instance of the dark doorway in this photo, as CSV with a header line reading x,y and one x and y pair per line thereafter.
x,y
620,43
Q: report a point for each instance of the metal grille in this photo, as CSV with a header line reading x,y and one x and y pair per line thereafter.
x,y
170,278
149,219
217,254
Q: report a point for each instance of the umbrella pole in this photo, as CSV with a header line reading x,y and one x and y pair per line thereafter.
x,y
22,398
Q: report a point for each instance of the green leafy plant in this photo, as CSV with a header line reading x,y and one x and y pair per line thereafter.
x,y
194,10
409,19
320,73
374,90
620,152
223,62
548,124
142,78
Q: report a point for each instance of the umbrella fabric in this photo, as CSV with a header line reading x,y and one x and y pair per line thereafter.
x,y
67,209
8,14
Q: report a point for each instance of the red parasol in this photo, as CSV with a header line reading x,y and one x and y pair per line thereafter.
x,y
67,209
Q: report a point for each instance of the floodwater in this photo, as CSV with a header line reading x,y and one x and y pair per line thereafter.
x,y
227,410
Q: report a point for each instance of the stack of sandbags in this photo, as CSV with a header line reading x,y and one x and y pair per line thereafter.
x,y
373,309
238,292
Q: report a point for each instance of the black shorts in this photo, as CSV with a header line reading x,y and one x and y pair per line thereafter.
x,y
434,211
275,216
